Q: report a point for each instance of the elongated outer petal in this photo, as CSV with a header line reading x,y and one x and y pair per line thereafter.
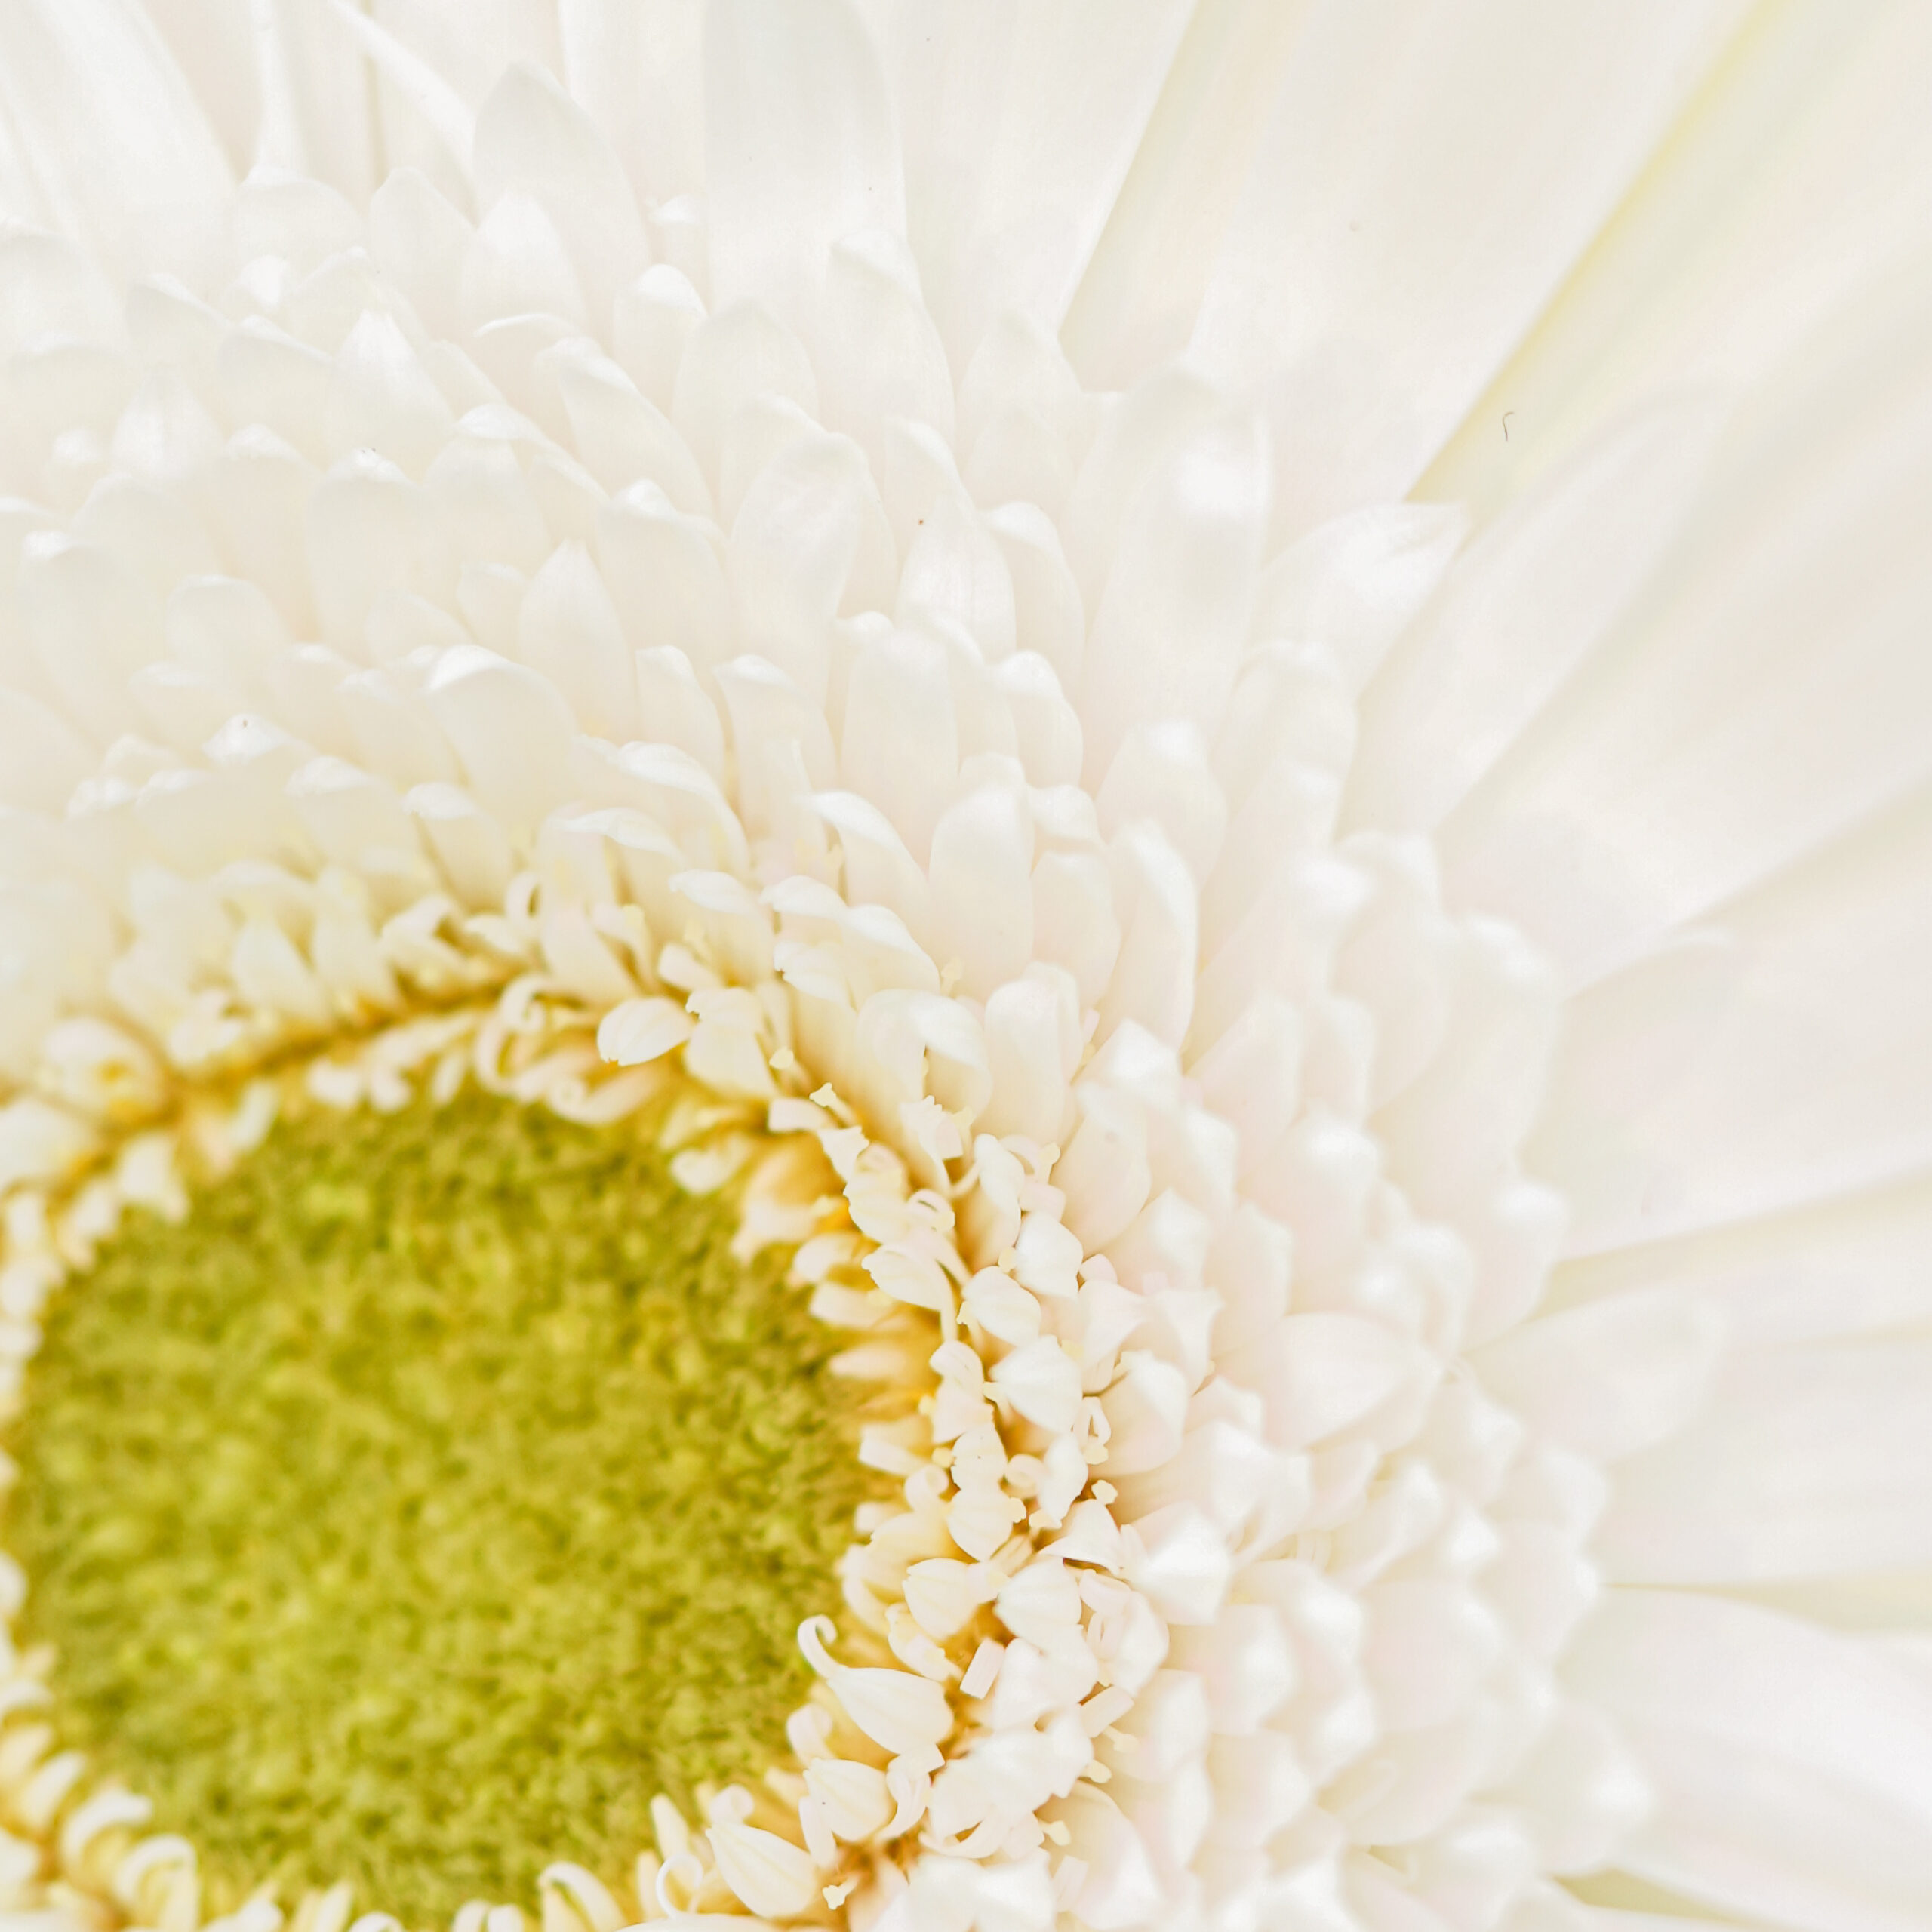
x,y
1760,749
1137,302
1377,271
1015,145
1780,1060
1803,175
1812,1807
800,146
148,190
1460,687
1807,1463
1839,1272
1615,1375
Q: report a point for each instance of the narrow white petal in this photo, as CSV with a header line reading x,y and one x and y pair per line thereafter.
x,y
1137,302
1781,1058
1520,609
1807,1462
1018,138
123,159
1805,171
1173,614
1752,750
1812,1806
800,145
1378,269
532,139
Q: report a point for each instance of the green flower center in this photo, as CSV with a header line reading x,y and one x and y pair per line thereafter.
x,y
435,1493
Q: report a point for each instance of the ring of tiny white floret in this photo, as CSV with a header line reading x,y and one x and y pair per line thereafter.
x,y
995,1593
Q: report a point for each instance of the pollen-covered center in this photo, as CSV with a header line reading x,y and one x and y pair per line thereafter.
x,y
436,1493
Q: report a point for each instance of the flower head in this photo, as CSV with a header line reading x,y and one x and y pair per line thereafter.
x,y
1241,761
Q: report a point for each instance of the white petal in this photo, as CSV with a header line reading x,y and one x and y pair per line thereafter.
x,y
1806,1462
568,630
509,728
1016,142
899,745
783,749
1353,585
1102,1170
370,530
1120,1888
1825,102
1137,303
1755,750
1852,1268
623,437
517,265
1614,1376
1813,1806
1173,615
1161,773
1048,617
348,813
42,759
771,1875
381,398
1321,1372
879,870
1464,682
980,874
881,356
256,491
1152,984
122,158
652,321
800,147
1781,1060
532,139
665,576
808,525
90,625
1375,272
671,706
741,351
469,845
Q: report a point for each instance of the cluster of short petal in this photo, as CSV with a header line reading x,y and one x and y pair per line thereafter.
x,y
441,647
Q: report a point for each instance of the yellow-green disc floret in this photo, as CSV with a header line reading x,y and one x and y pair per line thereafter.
x,y
436,1493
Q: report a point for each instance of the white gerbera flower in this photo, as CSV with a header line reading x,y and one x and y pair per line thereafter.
x,y
1222,709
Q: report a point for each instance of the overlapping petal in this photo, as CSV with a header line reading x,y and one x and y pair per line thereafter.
x,y
656,580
